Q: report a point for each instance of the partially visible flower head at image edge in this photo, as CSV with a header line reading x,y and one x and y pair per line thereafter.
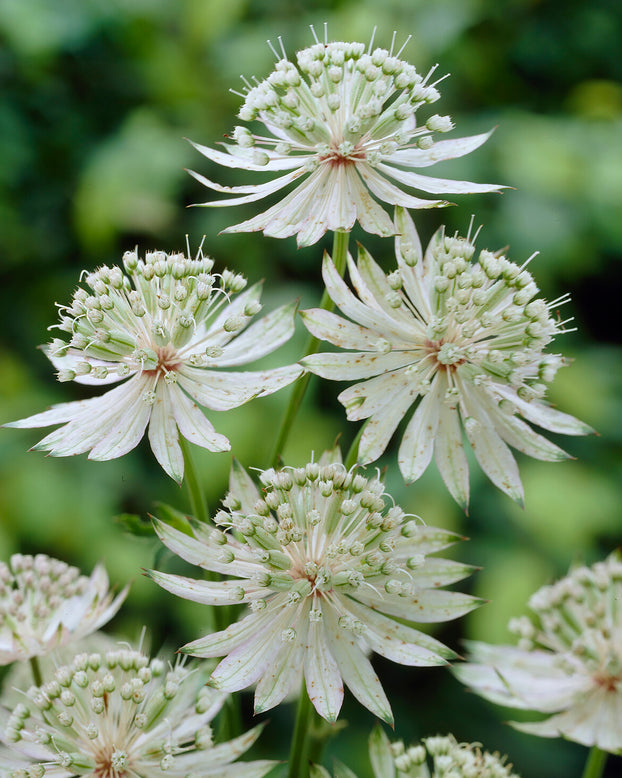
x,y
459,337
342,123
168,325
120,714
46,604
446,757
568,662
331,570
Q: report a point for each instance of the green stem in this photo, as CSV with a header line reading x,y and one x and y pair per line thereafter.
x,y
36,670
595,763
218,617
340,253
299,752
198,504
229,719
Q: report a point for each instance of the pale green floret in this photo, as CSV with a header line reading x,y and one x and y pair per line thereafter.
x,y
457,337
169,326
322,555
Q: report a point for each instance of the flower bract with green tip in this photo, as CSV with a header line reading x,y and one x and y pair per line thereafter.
x,y
169,329
331,570
462,340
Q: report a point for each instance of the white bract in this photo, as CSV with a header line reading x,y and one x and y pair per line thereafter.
x,y
46,604
462,340
342,123
327,566
122,715
568,662
443,754
168,325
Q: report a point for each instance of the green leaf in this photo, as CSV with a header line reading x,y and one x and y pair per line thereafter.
x,y
174,518
135,525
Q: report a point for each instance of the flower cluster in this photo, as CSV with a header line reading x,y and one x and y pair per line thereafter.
x,y
45,604
343,120
461,339
449,759
121,715
568,661
168,325
330,571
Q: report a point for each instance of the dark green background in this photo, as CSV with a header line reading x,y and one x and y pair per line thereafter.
x,y
97,98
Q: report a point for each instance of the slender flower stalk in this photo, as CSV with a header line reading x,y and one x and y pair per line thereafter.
x,y
46,604
35,666
169,326
341,124
196,495
595,763
299,752
461,340
568,663
340,253
331,571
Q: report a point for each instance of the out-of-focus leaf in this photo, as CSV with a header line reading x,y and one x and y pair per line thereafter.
x,y
568,506
135,525
174,518
508,578
130,182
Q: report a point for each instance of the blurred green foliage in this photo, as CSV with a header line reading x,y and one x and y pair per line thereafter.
x,y
97,98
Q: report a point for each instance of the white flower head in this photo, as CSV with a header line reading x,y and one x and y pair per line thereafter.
x,y
166,326
328,566
121,715
342,123
568,662
46,604
459,338
446,757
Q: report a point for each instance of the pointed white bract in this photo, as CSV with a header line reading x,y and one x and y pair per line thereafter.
x,y
341,126
460,340
568,662
46,604
122,715
168,328
327,565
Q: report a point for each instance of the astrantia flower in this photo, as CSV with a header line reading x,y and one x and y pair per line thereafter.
x,y
446,757
568,661
45,604
462,340
120,715
168,326
343,123
327,565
